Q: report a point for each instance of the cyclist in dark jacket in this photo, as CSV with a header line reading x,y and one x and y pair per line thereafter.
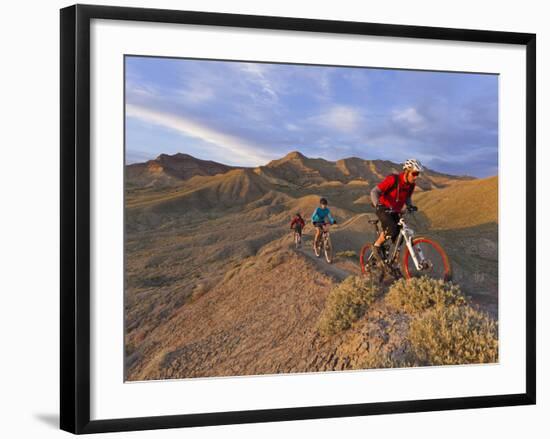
x,y
297,223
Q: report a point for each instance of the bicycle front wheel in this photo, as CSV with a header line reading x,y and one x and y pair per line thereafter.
x,y
317,247
328,250
432,260
366,260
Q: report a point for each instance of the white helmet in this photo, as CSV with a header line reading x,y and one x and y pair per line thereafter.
x,y
412,165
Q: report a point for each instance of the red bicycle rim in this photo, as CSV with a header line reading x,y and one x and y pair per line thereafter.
x,y
362,260
446,265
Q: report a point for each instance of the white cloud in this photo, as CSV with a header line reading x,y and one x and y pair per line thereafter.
x,y
248,153
197,93
141,89
324,84
340,117
410,117
257,74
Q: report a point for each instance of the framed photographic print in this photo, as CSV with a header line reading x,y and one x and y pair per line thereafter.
x,y
275,218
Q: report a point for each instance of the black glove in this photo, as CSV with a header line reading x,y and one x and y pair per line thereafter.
x,y
382,208
412,208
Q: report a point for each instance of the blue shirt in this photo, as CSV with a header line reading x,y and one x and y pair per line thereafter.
x,y
320,214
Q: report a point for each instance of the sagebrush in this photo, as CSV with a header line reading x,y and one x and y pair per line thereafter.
x,y
444,328
346,303
420,294
347,254
379,359
454,335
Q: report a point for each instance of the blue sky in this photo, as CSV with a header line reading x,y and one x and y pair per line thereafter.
x,y
250,113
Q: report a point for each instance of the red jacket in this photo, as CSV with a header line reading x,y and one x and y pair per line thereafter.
x,y
297,220
394,195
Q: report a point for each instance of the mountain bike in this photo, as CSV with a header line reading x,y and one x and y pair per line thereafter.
x,y
422,256
297,238
324,244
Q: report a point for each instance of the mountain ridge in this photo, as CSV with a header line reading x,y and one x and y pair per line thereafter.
x,y
168,170
293,171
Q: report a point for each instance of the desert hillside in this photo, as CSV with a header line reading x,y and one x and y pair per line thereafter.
x,y
214,286
168,170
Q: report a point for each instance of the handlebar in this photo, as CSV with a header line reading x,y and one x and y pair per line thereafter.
x,y
402,212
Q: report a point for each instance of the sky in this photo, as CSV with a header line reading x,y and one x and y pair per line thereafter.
x,y
247,113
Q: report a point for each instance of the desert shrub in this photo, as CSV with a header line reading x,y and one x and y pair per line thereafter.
x,y
157,281
378,359
155,261
230,274
419,294
248,264
346,303
347,254
277,259
239,267
454,335
200,290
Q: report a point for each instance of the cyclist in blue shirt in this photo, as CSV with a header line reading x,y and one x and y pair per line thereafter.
x,y
319,217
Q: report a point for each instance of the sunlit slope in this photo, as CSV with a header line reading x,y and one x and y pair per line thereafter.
x,y
239,186
464,204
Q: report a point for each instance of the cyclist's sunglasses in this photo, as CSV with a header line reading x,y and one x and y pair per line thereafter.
x,y
415,173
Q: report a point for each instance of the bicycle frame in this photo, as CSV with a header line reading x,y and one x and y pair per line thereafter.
x,y
406,234
297,237
324,236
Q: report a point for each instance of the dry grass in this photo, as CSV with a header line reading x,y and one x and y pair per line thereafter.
x,y
454,335
352,254
346,304
421,323
379,359
419,294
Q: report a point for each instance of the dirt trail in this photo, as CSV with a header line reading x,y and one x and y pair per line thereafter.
x,y
339,269
352,220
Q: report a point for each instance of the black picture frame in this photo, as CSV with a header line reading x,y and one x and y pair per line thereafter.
x,y
75,217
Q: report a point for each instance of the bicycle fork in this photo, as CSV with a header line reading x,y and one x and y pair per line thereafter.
x,y
416,253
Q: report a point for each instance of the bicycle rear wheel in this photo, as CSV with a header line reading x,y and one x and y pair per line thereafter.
x,y
433,260
328,249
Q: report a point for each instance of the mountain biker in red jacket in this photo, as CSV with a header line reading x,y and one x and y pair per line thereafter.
x,y
389,197
298,223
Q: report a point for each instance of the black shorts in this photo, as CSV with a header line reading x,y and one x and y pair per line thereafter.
x,y
319,225
389,222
